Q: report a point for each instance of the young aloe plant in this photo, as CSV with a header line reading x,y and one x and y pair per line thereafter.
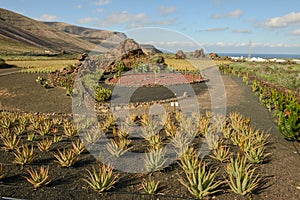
x,y
101,180
155,160
66,158
150,187
38,179
118,148
222,153
241,176
201,181
24,156
189,160
45,144
10,142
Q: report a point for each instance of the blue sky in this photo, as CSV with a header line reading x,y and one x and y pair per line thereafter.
x,y
273,26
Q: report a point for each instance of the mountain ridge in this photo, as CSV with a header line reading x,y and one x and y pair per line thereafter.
x,y
22,31
20,34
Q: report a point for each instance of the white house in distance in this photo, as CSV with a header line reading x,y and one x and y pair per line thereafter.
x,y
258,59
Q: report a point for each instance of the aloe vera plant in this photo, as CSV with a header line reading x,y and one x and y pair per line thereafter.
x,y
189,160
222,153
38,179
150,187
102,179
10,142
201,181
204,123
181,143
66,158
242,179
256,153
118,148
45,144
24,156
155,160
70,129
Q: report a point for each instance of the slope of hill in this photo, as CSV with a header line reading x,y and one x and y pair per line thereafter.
x,y
95,36
16,28
107,39
20,35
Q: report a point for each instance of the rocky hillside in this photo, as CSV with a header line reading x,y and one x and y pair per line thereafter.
x,y
30,34
20,35
95,36
107,39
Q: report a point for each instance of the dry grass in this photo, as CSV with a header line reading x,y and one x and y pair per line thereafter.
x,y
42,66
193,64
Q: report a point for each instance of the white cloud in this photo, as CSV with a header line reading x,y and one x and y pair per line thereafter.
x,y
217,29
46,17
87,20
246,44
123,18
163,10
102,2
233,14
166,22
283,21
245,31
133,20
99,10
296,32
78,6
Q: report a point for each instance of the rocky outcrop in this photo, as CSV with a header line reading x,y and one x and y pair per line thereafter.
x,y
125,48
180,55
149,49
214,56
129,52
199,53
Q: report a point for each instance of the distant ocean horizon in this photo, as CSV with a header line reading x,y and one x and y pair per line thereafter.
x,y
283,56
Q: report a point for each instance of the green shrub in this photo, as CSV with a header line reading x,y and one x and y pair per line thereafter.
x,y
289,122
2,62
102,94
43,82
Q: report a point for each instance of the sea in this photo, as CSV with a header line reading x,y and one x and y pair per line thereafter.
x,y
283,56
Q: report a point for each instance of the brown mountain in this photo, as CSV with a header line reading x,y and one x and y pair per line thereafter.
x,y
20,34
103,38
96,36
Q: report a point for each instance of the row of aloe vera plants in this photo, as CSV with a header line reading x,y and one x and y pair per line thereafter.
x,y
282,102
238,148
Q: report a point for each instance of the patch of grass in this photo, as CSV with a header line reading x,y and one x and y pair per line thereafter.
x,y
40,66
